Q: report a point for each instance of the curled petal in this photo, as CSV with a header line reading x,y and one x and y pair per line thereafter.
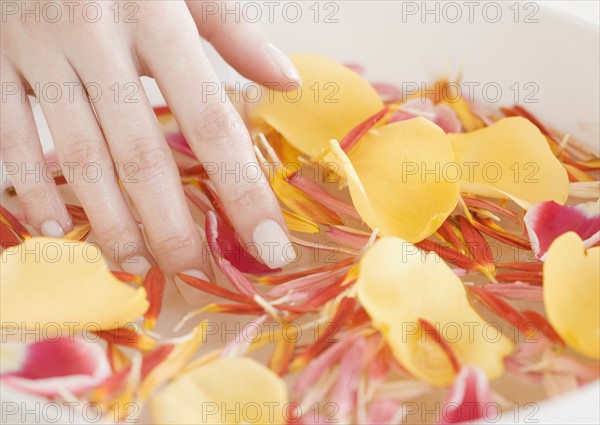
x,y
386,182
49,366
230,386
308,119
398,286
548,220
510,159
62,282
572,293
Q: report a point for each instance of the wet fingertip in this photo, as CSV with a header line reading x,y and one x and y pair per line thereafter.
x,y
52,229
285,65
273,243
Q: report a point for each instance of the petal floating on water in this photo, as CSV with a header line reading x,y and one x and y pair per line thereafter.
x,y
332,100
572,293
385,175
63,282
399,285
510,159
226,390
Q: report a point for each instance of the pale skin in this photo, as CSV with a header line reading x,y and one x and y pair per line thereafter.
x,y
163,44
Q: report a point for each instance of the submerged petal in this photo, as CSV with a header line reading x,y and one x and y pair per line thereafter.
x,y
399,287
332,100
510,159
572,293
388,182
226,390
65,283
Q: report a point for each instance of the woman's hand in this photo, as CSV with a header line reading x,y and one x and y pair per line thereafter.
x,y
118,130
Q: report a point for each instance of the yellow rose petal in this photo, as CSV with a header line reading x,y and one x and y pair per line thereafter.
x,y
332,101
572,293
510,159
400,178
398,285
66,283
224,391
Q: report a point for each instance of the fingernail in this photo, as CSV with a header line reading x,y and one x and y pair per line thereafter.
x,y
137,265
283,62
274,247
191,295
52,229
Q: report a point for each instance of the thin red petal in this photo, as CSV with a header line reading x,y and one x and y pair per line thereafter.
x,y
428,328
154,283
211,288
360,130
543,325
502,308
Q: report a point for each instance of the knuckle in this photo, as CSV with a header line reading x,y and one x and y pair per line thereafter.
x,y
247,198
218,123
147,157
118,241
79,148
13,143
173,245
33,197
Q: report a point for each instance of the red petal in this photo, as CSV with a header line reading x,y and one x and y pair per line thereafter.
x,y
14,223
477,244
214,289
7,237
235,276
449,254
503,309
543,325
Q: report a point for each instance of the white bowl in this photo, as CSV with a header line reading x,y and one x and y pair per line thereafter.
x,y
552,58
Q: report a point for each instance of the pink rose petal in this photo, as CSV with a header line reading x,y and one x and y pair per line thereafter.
x,y
468,397
51,366
548,220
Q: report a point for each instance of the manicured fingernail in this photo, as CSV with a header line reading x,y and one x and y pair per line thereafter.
x,y
274,247
137,265
283,62
191,295
52,229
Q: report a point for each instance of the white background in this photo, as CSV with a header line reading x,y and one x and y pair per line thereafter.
x,y
588,10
